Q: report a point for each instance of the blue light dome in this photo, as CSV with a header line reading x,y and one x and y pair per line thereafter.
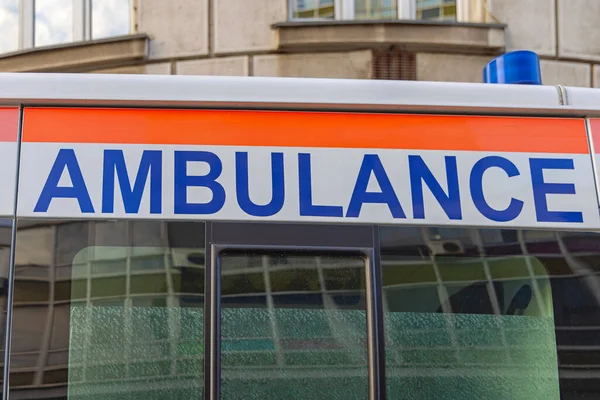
x,y
515,68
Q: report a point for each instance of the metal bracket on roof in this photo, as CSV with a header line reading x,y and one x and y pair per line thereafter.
x,y
563,97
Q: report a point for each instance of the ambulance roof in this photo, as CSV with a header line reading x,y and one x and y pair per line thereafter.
x,y
294,93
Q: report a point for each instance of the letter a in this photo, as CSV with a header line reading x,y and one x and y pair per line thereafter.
x,y
65,159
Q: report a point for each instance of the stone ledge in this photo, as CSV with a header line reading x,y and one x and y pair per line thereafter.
x,y
79,56
413,36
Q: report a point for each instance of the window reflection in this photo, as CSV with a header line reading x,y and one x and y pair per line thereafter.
x,y
110,18
9,25
313,9
436,9
53,22
491,306
107,309
118,307
293,325
375,9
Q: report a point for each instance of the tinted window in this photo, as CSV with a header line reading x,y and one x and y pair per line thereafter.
x,y
108,310
293,326
491,313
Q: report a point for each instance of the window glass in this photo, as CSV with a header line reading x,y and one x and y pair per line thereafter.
x,y
124,317
375,9
110,18
313,9
9,25
53,22
436,9
293,326
490,313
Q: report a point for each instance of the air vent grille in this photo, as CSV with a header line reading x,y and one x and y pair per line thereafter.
x,y
394,65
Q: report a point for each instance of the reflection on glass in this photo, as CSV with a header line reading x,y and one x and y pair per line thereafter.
x,y
375,9
293,326
127,322
53,22
315,9
491,313
110,18
9,25
436,9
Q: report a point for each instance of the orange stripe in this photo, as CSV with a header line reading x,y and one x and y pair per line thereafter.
x,y
9,124
305,129
595,124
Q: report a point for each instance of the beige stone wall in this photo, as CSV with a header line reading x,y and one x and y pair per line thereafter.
x,y
567,29
450,67
460,68
596,76
150,69
237,38
566,73
351,65
565,33
242,26
164,68
224,66
531,24
578,29
177,28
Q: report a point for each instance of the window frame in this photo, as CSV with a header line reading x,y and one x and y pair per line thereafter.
x,y
81,22
406,10
335,238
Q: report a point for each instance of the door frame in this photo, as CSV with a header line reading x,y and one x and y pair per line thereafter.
x,y
357,239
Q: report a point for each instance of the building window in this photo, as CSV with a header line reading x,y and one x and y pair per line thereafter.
x,y
313,9
110,18
376,9
53,22
9,25
31,23
436,9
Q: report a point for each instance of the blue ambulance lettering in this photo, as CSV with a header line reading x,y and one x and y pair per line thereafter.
x,y
182,181
66,160
372,165
150,168
307,208
514,207
242,186
420,173
541,189
148,176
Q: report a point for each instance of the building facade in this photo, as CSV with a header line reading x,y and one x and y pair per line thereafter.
x,y
433,40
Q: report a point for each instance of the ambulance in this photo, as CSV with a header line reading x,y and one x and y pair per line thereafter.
x,y
278,238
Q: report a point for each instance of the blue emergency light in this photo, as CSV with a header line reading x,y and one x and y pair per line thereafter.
x,y
520,67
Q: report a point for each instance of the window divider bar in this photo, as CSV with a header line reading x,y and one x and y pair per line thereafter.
x,y
407,9
10,284
344,10
463,10
212,318
290,5
82,20
375,323
26,24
